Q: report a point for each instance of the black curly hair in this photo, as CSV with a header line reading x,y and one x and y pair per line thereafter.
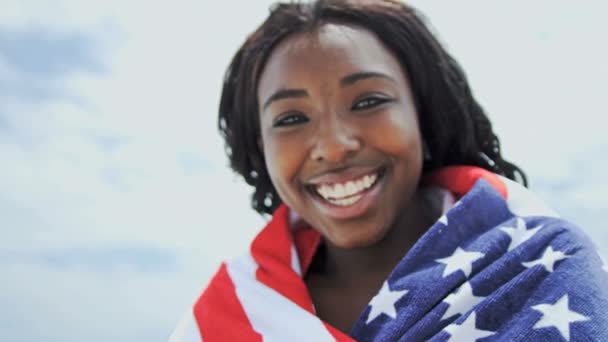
x,y
453,125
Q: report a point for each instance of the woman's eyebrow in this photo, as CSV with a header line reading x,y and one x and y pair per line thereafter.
x,y
358,76
345,81
284,94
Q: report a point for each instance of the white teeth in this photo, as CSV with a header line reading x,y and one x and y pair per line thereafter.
x,y
369,180
324,190
343,193
360,184
351,188
346,201
339,191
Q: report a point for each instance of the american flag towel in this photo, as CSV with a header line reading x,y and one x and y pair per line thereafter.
x,y
498,266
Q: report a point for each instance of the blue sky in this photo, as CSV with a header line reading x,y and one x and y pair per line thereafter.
x,y
116,200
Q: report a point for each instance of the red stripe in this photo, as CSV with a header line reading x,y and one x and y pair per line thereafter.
x,y
460,179
219,314
306,241
271,249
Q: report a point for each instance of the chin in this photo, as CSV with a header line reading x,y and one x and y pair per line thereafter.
x,y
367,237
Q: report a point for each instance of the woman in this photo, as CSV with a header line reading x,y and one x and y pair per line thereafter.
x,y
394,215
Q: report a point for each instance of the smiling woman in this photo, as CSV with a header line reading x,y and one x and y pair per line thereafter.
x,y
394,214
351,121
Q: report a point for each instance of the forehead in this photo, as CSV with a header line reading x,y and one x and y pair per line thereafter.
x,y
333,50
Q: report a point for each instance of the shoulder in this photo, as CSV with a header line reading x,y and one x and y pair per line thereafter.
x,y
531,215
523,202
219,313
555,273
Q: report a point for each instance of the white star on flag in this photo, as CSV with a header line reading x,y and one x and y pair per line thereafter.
x,y
384,302
559,316
461,301
519,234
548,260
460,260
444,218
467,331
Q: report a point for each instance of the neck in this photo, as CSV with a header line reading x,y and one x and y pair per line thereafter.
x,y
351,266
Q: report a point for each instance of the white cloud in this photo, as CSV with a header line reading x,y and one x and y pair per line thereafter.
x,y
75,305
66,188
131,156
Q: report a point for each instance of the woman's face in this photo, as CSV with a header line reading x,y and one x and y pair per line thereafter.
x,y
340,133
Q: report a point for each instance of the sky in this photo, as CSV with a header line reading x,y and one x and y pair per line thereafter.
x,y
116,200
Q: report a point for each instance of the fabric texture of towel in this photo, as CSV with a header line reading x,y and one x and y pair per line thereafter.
x,y
498,266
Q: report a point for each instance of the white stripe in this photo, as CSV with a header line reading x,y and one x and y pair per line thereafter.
x,y
295,260
186,330
272,315
522,202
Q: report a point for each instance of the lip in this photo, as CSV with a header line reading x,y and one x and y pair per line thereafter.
x,y
343,176
358,208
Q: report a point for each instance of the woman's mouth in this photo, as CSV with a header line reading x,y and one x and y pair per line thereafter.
x,y
348,193
348,198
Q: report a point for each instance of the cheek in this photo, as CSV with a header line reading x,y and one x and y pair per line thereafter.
x,y
399,136
283,161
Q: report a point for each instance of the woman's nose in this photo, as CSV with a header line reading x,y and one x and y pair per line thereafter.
x,y
334,143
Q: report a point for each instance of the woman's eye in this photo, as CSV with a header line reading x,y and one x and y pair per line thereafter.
x,y
369,102
290,119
